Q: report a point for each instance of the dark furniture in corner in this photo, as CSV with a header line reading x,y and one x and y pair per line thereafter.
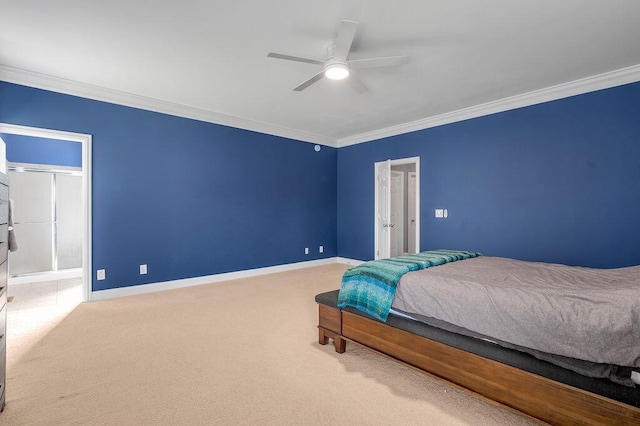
x,y
4,243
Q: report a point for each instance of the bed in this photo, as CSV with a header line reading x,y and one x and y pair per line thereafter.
x,y
453,339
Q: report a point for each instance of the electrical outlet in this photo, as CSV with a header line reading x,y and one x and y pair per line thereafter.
x,y
321,249
306,250
102,274
143,269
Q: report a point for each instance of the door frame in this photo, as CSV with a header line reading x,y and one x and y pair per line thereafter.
x,y
396,162
85,140
411,246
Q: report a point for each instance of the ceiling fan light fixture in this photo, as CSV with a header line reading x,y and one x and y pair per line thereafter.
x,y
336,71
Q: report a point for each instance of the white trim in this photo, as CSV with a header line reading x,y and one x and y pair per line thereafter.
x,y
87,279
209,279
585,85
85,140
347,261
417,190
84,90
46,276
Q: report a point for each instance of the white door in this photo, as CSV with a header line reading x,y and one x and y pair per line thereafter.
x,y
383,205
383,210
411,213
396,218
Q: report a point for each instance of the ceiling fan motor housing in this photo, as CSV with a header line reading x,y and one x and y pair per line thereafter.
x,y
336,70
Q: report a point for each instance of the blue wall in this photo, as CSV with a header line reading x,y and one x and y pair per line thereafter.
x,y
27,149
556,182
189,198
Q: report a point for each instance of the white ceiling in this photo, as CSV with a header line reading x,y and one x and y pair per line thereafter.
x,y
208,59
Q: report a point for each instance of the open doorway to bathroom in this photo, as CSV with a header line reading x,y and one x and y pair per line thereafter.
x,y
46,271
50,184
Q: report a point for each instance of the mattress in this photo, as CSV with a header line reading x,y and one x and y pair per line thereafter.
x,y
580,318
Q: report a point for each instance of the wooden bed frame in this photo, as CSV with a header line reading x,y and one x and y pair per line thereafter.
x,y
531,394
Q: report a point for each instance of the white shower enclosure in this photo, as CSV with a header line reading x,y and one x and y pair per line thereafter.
x,y
47,216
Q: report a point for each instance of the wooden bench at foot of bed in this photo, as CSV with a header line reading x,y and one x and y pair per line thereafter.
x,y
531,394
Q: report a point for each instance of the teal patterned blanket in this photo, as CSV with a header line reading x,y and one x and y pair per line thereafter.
x,y
370,287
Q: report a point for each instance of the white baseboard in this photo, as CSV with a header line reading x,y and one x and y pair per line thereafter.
x,y
209,279
45,276
347,261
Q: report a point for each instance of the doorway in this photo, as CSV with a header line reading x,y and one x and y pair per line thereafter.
x,y
47,205
85,141
397,207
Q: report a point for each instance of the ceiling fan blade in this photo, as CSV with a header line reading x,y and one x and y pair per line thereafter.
x,y
346,33
294,58
388,61
309,82
357,84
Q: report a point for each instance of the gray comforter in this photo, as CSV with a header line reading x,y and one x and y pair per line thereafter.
x,y
582,313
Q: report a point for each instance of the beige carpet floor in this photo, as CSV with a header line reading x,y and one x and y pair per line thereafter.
x,y
240,352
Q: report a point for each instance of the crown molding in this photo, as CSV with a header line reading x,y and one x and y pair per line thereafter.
x,y
585,85
84,90
589,84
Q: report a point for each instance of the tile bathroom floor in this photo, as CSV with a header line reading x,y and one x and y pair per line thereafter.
x,y
34,309
44,294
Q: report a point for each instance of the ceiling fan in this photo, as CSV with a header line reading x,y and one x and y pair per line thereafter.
x,y
337,66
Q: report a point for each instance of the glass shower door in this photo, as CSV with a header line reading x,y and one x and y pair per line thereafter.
x,y
33,217
69,221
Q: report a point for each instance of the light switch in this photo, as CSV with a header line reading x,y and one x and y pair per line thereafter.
x,y
439,213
